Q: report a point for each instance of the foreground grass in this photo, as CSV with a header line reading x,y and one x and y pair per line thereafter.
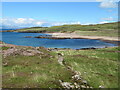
x,y
99,67
39,71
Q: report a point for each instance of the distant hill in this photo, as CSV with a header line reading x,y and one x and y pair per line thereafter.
x,y
6,29
107,29
71,28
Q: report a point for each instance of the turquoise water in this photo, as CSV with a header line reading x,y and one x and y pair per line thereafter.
x,y
19,39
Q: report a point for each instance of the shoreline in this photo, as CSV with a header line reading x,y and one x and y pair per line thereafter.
x,y
76,36
57,35
2,44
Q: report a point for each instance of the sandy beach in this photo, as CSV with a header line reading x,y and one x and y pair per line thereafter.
x,y
74,35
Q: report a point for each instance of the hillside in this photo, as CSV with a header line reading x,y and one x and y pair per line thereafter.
x,y
108,29
30,67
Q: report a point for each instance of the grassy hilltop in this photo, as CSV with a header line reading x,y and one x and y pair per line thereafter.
x,y
108,29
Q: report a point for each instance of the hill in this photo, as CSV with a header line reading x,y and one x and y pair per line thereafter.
x,y
107,29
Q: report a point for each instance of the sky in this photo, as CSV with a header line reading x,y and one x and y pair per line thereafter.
x,y
56,0
29,14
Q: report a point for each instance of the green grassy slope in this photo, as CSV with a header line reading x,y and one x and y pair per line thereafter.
x,y
38,71
99,67
108,29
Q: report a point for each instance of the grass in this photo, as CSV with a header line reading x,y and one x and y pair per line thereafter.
x,y
39,71
99,67
108,33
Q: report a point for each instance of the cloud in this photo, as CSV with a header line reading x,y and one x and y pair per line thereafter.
x,y
107,3
21,22
109,19
30,22
99,0
103,22
65,23
89,23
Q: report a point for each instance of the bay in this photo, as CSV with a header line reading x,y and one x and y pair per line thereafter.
x,y
19,39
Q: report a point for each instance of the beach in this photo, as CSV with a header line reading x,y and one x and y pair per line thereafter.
x,y
74,36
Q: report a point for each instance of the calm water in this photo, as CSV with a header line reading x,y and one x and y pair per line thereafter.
x,y
18,39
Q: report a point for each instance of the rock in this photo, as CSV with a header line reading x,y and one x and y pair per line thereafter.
x,y
66,84
82,86
9,52
76,77
101,87
14,51
84,81
60,58
31,52
76,85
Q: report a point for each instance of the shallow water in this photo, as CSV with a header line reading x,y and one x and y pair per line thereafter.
x,y
19,39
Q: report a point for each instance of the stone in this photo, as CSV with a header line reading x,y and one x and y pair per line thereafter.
x,y
84,81
101,87
76,77
66,84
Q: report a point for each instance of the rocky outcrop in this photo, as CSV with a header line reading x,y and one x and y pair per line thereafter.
x,y
24,52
